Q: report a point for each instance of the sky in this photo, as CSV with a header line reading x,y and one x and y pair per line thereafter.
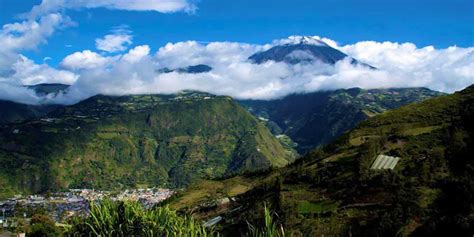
x,y
440,23
92,44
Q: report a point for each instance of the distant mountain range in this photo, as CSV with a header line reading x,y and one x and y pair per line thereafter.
x,y
306,50
195,69
316,118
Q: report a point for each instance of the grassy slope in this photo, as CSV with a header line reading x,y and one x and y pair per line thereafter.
x,y
136,141
332,191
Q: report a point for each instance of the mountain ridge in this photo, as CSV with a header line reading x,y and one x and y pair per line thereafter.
x,y
316,118
135,141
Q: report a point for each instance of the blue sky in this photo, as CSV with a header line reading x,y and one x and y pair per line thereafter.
x,y
440,23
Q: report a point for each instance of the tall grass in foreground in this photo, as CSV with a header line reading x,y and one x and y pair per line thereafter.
x,y
270,228
130,219
126,218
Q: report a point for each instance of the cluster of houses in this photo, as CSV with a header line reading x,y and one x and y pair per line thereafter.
x,y
190,95
147,197
75,202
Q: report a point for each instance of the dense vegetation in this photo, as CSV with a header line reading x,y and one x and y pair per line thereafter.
x,y
110,142
11,112
317,118
129,219
333,192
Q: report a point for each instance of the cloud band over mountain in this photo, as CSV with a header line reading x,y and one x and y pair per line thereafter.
x,y
136,71
118,67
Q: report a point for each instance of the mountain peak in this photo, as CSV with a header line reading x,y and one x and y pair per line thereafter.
x,y
303,40
48,88
303,49
300,49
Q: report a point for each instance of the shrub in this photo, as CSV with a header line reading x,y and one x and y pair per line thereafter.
x,y
43,225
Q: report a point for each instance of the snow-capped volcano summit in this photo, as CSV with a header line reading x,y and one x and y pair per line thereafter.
x,y
302,49
309,40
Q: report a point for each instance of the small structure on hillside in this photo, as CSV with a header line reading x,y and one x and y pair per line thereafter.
x,y
385,162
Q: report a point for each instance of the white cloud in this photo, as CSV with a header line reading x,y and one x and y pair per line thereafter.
x,y
44,19
41,22
136,54
136,71
446,70
214,53
163,6
85,60
314,40
28,34
14,92
114,42
25,35
400,65
28,73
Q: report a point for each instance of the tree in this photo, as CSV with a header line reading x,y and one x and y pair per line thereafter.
x,y
43,225
367,155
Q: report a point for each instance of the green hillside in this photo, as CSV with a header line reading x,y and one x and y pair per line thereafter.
x,y
11,112
317,118
333,191
110,142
